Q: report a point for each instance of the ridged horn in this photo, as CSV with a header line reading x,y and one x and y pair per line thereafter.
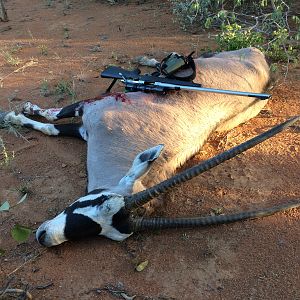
x,y
145,196
140,224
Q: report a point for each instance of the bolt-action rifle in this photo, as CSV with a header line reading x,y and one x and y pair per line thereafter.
x,y
134,82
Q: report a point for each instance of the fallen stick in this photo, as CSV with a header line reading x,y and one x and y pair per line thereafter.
x,y
16,291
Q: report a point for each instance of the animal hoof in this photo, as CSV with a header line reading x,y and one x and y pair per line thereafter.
x,y
28,108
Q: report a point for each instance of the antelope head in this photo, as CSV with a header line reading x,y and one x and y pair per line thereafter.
x,y
109,212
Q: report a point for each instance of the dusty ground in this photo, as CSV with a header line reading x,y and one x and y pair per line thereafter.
x,y
250,260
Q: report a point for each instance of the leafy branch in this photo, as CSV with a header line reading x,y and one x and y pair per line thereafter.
x,y
19,233
266,24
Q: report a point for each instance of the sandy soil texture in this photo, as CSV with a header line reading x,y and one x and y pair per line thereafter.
x,y
258,259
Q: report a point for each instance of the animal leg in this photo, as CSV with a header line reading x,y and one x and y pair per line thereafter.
x,y
72,130
52,114
34,110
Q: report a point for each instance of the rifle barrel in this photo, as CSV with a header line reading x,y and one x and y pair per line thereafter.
x,y
228,92
198,89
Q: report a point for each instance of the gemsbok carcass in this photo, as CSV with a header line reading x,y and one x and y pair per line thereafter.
x,y
127,133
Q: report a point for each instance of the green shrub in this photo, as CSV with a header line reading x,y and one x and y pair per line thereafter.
x,y
280,47
233,37
65,88
266,24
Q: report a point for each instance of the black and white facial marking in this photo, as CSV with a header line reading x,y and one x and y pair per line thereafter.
x,y
91,215
101,211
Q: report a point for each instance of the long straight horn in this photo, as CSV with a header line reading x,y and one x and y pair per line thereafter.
x,y
143,197
140,224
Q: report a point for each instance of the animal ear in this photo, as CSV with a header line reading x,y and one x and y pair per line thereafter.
x,y
140,166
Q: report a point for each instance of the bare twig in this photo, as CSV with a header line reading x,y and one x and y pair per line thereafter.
x,y
115,291
16,291
26,262
287,63
45,286
3,13
2,291
273,4
21,69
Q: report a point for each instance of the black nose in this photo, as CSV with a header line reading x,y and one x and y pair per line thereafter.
x,y
41,237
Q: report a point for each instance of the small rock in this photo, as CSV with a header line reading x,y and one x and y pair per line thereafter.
x,y
266,112
120,285
103,37
82,175
230,176
63,165
95,48
34,269
145,61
